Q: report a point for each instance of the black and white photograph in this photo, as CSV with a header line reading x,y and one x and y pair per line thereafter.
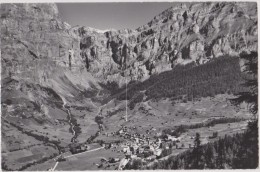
x,y
129,85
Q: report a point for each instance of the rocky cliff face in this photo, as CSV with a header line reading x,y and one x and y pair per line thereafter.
x,y
35,47
34,40
184,33
33,35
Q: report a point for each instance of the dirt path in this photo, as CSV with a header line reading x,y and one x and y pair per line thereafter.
x,y
84,152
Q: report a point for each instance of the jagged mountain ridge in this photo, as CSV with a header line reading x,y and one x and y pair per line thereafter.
x,y
181,34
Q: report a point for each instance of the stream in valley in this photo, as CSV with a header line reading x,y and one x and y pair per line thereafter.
x,y
72,125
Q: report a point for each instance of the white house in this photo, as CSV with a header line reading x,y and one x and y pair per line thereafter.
x,y
158,152
172,138
126,149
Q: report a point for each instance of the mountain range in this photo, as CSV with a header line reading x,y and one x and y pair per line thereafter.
x,y
56,73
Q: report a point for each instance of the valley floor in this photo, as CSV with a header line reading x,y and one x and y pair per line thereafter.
x,y
148,124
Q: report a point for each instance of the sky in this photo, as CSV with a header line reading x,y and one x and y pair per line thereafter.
x,y
116,15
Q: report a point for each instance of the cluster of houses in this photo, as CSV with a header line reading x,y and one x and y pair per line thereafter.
x,y
139,146
148,150
134,146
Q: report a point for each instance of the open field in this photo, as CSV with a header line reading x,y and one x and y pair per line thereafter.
x,y
88,161
13,139
153,117
42,166
17,159
82,161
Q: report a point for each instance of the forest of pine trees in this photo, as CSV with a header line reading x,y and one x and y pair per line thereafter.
x,y
239,151
221,75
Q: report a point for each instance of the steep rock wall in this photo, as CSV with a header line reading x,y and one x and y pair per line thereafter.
x,y
34,41
184,33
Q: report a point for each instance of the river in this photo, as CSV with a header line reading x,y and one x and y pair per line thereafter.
x,y
70,122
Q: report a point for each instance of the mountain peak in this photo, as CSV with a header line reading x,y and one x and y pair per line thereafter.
x,y
98,30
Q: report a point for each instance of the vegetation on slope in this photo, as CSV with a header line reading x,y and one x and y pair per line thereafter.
x,y
239,151
178,130
189,82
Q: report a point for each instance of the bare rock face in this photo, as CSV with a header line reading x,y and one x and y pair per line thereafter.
x,y
182,34
197,50
34,41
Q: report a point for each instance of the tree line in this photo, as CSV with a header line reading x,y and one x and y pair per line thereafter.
x,y
178,130
190,82
239,151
